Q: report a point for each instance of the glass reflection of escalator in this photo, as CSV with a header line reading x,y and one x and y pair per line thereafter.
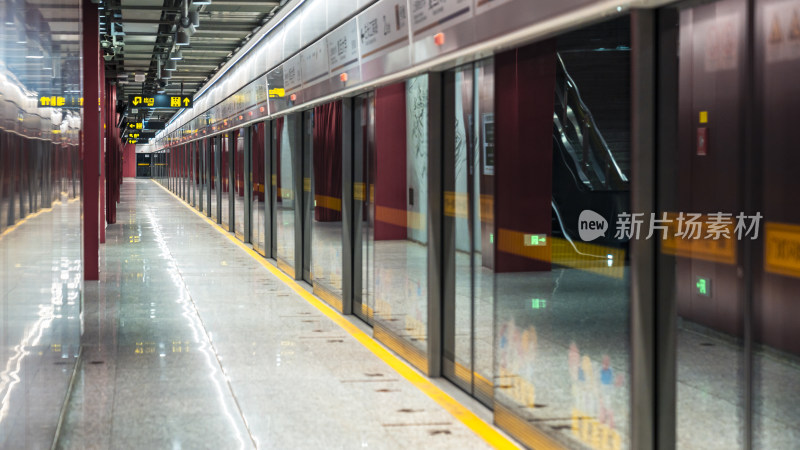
x,y
587,173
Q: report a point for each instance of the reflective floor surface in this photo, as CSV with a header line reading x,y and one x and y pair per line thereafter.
x,y
190,343
40,277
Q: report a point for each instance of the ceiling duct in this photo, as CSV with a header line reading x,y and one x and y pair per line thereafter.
x,y
182,38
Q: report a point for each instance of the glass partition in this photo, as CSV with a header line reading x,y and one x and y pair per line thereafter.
x,y
326,209
469,199
258,166
562,306
399,227
240,141
213,173
288,153
226,182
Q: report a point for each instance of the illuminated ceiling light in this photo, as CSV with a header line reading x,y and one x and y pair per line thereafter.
x,y
22,36
182,38
201,2
171,65
9,16
176,55
35,53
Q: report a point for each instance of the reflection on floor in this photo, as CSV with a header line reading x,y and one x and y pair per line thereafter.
x,y
711,390
190,343
285,231
214,214
401,289
40,281
238,212
326,255
563,353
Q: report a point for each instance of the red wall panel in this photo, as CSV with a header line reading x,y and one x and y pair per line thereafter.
x,y
524,85
390,162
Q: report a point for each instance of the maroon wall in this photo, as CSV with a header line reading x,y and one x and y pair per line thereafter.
x,y
711,182
328,160
776,306
524,100
390,162
129,160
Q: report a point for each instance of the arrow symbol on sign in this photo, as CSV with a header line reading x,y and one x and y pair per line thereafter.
x,y
136,100
186,102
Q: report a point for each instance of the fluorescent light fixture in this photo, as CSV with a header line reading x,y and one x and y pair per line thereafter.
x,y
176,55
201,2
166,75
171,65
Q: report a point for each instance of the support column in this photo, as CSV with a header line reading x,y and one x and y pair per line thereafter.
x,y
90,201
102,150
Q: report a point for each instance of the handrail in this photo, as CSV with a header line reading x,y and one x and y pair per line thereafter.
x,y
596,160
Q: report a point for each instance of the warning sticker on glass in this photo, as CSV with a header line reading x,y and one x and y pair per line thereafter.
x,y
782,31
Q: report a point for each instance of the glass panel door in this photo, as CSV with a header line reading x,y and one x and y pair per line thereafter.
x,y
258,166
308,205
287,170
562,279
399,226
226,185
213,172
325,162
363,172
469,198
240,179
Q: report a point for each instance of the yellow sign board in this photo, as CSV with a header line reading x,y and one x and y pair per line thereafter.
x,y
358,191
700,246
782,249
456,204
59,101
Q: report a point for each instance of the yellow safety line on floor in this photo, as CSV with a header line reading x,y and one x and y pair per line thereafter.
x,y
459,411
31,216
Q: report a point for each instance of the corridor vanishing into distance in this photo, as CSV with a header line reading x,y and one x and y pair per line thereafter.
x,y
190,342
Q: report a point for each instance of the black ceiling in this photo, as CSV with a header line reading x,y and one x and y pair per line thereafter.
x,y
134,33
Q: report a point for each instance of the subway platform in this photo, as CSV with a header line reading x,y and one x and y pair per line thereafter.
x,y
192,341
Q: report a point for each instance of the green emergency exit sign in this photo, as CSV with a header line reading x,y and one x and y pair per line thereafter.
x,y
535,240
702,286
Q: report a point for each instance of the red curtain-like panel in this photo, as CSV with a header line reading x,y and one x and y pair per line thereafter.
x,y
328,162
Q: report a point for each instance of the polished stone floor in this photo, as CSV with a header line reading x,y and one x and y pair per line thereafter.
x,y
190,343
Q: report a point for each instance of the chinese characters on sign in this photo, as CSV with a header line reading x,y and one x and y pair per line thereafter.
x,y
714,226
160,101
60,101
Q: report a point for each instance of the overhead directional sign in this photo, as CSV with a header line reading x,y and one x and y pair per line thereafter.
x,y
60,101
149,125
160,101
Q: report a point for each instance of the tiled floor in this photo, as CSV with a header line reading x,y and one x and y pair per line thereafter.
x,y
191,343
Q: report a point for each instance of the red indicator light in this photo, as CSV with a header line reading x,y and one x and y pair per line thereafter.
x,y
241,117
343,77
251,113
438,39
261,109
293,97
